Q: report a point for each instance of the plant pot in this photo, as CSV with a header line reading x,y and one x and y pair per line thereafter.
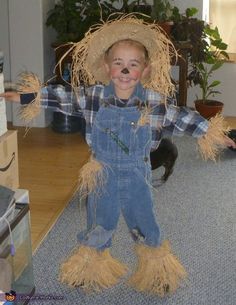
x,y
209,108
166,26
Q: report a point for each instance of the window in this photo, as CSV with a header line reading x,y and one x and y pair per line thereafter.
x,y
222,15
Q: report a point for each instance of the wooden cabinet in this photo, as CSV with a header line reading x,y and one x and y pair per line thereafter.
x,y
183,50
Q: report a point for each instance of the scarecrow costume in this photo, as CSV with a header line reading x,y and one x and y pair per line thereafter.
x,y
121,135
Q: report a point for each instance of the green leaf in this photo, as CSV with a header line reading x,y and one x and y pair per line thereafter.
x,y
214,83
213,92
200,66
191,11
225,54
223,46
216,66
210,60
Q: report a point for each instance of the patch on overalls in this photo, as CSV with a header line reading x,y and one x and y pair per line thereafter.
x,y
96,238
137,235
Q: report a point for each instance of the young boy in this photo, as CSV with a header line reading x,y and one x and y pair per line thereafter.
x,y
124,122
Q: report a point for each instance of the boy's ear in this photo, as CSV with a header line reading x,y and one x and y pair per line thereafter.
x,y
146,72
106,67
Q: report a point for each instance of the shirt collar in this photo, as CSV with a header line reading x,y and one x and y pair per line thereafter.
x,y
139,92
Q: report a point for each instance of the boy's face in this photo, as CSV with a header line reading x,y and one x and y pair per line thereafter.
x,y
126,66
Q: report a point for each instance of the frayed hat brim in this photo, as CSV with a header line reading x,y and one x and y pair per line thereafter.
x,y
88,54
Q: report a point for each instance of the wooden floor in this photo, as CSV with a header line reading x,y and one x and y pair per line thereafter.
x,y
48,165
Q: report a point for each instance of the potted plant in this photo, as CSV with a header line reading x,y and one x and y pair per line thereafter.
x,y
214,57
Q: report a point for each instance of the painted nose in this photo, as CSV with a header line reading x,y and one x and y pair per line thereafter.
x,y
125,71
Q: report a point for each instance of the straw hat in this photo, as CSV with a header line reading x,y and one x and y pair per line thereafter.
x,y
88,54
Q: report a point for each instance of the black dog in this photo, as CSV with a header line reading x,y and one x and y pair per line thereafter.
x,y
165,155
232,135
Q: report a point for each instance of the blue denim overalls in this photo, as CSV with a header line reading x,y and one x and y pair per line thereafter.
x,y
119,142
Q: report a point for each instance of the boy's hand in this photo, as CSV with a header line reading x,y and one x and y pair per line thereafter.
x,y
11,96
229,142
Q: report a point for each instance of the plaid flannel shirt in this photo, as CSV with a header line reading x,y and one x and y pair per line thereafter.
x,y
86,102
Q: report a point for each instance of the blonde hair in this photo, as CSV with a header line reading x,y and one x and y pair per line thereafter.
x,y
129,42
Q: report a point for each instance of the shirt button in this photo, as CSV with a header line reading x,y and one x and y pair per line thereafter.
x,y
132,123
145,159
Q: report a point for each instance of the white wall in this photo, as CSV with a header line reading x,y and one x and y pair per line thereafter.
x,y
26,42
5,47
4,37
